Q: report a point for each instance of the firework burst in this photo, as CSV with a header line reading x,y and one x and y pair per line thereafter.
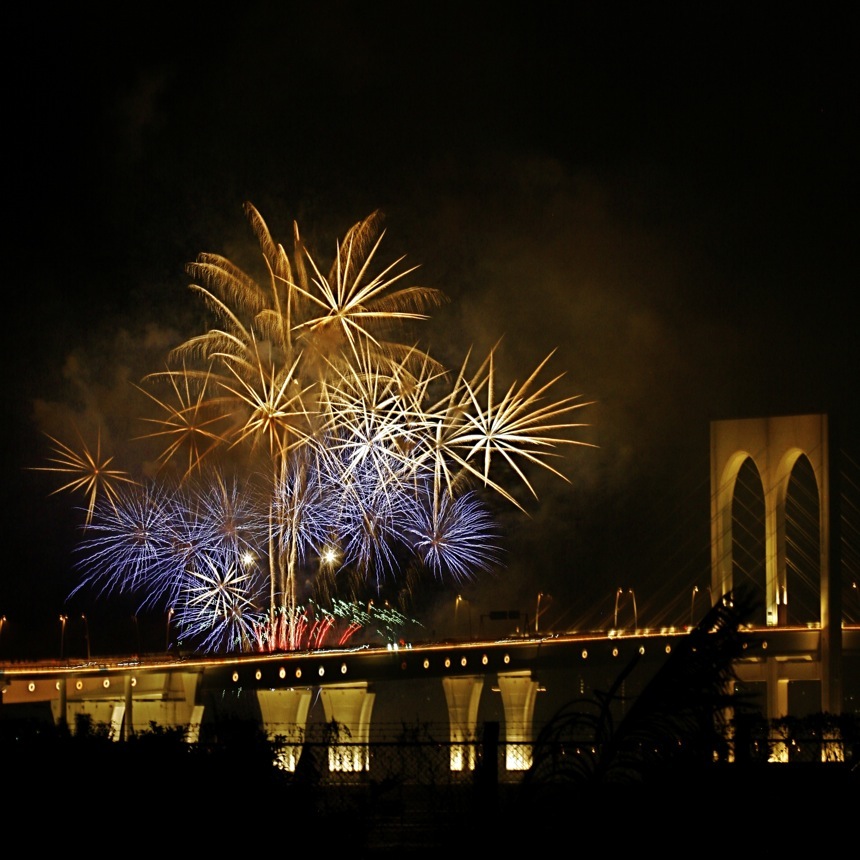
x,y
189,418
88,471
360,469
219,602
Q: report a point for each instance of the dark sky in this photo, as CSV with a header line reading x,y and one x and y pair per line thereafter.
x,y
668,200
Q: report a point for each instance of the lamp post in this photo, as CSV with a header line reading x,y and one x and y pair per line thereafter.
x,y
540,596
635,613
693,602
167,631
63,620
86,634
460,599
618,594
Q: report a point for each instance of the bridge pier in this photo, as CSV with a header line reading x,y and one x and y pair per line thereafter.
x,y
126,727
776,675
519,691
284,714
347,708
463,694
163,698
350,706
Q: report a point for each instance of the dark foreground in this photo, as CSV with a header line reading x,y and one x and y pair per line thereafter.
x,y
92,790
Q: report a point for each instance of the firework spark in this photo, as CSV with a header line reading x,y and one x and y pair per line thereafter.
x,y
129,542
471,424
89,472
189,423
359,468
218,603
455,539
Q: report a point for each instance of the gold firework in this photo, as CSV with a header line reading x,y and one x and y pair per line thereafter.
x,y
471,426
90,472
348,310
188,422
308,373
277,408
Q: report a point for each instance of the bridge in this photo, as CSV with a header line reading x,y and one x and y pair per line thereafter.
x,y
518,683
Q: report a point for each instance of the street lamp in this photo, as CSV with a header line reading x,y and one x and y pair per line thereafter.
x,y
2,625
86,634
618,594
167,632
537,608
460,599
63,620
693,602
635,613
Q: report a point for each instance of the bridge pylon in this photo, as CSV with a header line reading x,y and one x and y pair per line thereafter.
x,y
775,445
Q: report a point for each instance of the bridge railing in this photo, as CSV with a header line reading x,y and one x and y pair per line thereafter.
x,y
423,755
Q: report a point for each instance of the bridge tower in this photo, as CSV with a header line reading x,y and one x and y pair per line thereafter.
x,y
774,445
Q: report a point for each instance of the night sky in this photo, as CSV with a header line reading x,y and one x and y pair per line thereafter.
x,y
669,201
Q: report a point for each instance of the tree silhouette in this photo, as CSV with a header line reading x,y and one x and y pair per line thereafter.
x,y
675,726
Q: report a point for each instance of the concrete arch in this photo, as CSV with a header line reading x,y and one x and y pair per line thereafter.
x,y
722,569
774,445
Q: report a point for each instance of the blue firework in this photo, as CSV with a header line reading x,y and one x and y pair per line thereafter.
x,y
453,537
130,542
218,603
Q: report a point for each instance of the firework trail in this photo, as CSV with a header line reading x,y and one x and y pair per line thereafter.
x,y
360,455
87,471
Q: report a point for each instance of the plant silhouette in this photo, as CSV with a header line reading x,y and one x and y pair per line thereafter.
x,y
672,729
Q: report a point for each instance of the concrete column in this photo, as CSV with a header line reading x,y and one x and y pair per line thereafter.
x,y
348,708
167,699
463,693
64,703
128,722
285,714
519,691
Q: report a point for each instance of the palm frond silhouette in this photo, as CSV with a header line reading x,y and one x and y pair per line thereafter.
x,y
676,722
